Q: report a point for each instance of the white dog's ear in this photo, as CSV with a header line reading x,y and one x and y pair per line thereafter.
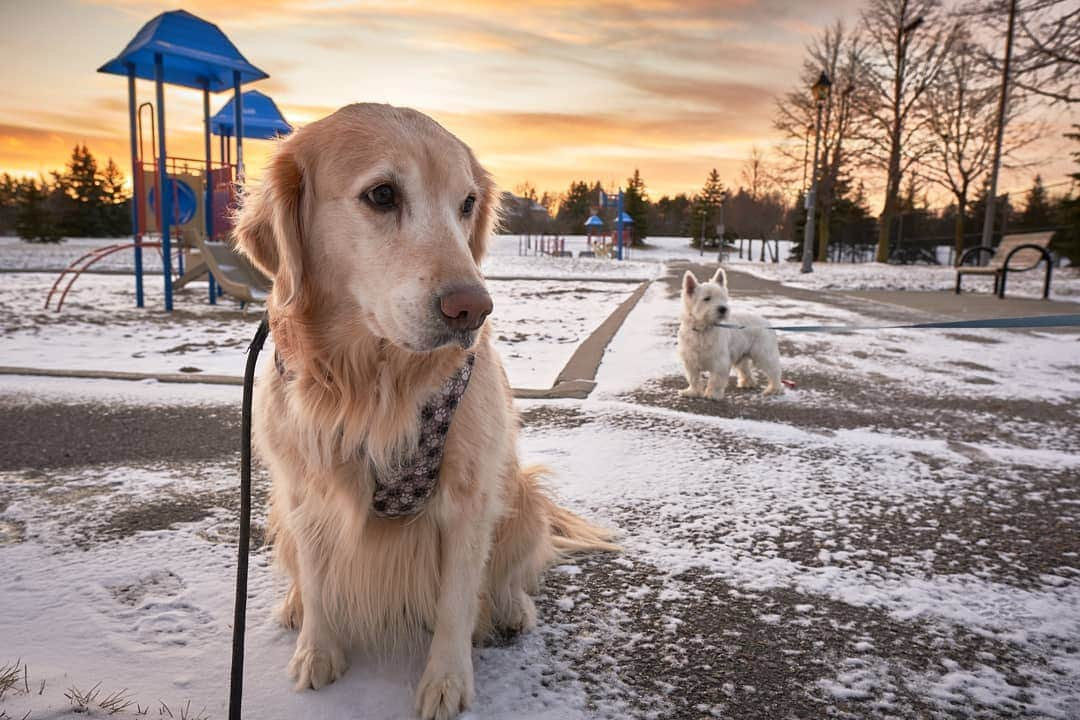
x,y
689,283
720,277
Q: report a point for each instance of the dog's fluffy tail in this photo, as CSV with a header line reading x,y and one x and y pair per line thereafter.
x,y
569,532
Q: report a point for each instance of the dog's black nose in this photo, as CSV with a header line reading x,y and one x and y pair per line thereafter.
x,y
465,309
721,311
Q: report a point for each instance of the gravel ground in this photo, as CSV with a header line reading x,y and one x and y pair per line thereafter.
x,y
665,629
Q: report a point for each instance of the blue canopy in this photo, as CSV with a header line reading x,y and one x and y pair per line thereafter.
x,y
194,53
262,119
594,221
627,220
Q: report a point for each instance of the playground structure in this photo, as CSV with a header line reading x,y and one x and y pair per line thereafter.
x,y
186,200
601,243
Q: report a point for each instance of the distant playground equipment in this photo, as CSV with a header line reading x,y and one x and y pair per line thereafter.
x,y
185,202
601,243
543,244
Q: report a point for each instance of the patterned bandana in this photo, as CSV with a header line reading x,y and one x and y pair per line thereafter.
x,y
408,485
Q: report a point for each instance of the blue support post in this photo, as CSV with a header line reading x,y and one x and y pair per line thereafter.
x,y
163,178
135,170
238,112
618,227
208,204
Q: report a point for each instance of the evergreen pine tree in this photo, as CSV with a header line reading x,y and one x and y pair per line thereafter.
x,y
116,215
9,203
707,210
34,221
636,205
574,209
1037,210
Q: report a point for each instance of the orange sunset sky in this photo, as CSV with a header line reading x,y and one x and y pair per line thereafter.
x,y
544,91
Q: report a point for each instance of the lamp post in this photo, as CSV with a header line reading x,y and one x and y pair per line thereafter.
x,y
704,212
720,229
821,92
806,156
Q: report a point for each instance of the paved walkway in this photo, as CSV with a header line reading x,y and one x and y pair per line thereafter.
x,y
893,305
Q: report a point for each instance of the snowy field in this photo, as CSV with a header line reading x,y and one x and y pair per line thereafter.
x,y
505,261
895,537
1064,285
537,325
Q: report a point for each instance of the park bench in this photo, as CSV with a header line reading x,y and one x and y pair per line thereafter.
x,y
1015,253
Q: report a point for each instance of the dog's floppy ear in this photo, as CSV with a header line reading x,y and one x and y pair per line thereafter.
x,y
269,227
720,277
689,283
488,210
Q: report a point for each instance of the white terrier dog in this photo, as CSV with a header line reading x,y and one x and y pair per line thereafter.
x,y
705,347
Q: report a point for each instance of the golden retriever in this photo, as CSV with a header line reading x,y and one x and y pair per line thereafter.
x,y
372,223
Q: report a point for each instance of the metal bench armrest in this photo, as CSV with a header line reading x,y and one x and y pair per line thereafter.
x,y
978,248
1029,246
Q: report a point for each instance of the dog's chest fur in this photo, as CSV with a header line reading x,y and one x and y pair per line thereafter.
x,y
702,348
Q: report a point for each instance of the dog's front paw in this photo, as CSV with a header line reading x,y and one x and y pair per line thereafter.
x,y
520,617
689,392
774,390
716,395
314,666
291,612
444,692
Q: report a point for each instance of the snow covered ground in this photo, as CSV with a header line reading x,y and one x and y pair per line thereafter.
x,y
1064,285
895,537
537,324
504,260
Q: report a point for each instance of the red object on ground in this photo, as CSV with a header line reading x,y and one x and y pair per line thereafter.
x,y
789,383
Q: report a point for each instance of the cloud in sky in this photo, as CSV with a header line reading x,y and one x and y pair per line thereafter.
x,y
546,91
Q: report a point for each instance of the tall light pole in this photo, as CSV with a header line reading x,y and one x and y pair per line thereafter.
x,y
720,230
704,212
988,219
806,156
821,92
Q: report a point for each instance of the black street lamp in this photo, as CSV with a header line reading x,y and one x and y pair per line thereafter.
x,y
720,228
821,93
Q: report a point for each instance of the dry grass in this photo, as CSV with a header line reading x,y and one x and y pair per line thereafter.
x,y
115,702
15,678
184,710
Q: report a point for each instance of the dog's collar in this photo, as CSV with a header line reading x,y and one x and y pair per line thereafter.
x,y
704,328
405,488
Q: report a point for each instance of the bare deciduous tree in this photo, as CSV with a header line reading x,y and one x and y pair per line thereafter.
x,y
1046,52
961,110
910,41
839,53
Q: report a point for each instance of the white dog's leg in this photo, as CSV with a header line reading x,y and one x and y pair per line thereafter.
x,y
319,658
446,687
769,362
695,387
718,380
745,374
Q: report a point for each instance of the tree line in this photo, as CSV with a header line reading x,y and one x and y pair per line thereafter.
x,y
82,200
912,111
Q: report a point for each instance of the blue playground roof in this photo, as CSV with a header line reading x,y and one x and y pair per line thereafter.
x,y
594,221
262,119
626,219
193,52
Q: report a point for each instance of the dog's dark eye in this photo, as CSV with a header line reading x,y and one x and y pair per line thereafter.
x,y
382,197
467,206
708,298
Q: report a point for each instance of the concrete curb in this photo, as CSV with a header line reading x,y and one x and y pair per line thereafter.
x,y
584,363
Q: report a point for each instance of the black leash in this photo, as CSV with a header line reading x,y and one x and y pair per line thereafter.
x,y
236,682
